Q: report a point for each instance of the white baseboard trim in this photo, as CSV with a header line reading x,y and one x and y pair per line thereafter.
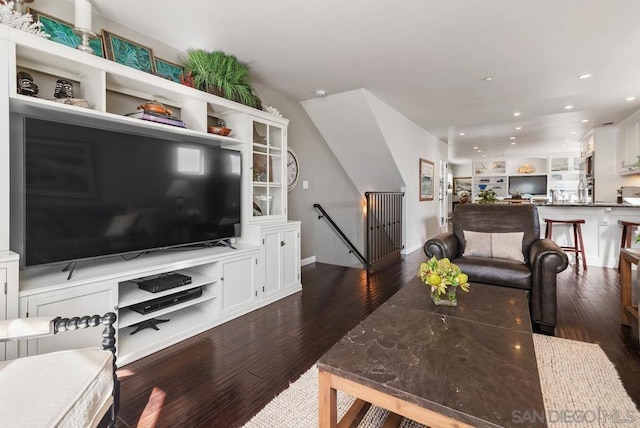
x,y
411,249
307,261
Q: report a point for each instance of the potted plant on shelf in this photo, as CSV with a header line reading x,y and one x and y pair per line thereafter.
x,y
444,278
220,74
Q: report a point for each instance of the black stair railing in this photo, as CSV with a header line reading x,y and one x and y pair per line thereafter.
x,y
384,228
352,248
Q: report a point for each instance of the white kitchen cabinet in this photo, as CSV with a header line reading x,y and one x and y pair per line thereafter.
x,y
628,145
94,299
280,256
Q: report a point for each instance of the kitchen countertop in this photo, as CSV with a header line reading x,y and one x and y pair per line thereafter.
x,y
590,204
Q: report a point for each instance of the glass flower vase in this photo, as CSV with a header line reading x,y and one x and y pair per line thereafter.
x,y
446,299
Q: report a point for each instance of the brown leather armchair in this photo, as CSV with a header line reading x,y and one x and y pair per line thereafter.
x,y
543,258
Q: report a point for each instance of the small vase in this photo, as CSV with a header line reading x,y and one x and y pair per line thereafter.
x,y
446,299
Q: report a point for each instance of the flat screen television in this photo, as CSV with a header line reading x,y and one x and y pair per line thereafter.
x,y
528,184
85,192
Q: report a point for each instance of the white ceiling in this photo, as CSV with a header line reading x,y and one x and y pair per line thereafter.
x,y
427,59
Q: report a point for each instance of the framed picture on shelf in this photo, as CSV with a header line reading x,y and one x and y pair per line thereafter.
x,y
168,70
480,167
426,180
461,184
62,32
499,167
559,164
127,52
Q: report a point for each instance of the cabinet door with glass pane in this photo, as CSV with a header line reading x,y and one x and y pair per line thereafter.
x,y
268,146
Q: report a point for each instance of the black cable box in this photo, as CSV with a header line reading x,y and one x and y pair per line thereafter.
x,y
166,301
162,282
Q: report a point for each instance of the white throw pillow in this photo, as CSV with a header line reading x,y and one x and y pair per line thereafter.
x,y
496,245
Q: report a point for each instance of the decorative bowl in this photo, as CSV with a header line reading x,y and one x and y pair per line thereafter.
x,y
219,130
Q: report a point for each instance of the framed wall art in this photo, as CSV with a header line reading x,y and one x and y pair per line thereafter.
x,y
127,52
168,70
62,32
461,184
426,180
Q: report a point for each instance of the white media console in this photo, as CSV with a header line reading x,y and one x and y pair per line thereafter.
x,y
263,268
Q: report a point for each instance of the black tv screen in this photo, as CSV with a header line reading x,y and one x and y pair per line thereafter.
x,y
91,192
528,184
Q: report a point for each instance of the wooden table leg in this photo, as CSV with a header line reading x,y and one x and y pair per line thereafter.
x,y
327,402
625,292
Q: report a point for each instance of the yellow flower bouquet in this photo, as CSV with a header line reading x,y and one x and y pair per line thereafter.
x,y
444,278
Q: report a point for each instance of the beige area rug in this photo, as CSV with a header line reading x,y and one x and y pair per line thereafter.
x,y
581,388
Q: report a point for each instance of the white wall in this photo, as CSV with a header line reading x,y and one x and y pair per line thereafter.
x,y
329,185
462,170
408,142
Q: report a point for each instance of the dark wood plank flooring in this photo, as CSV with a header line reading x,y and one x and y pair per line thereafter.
x,y
224,376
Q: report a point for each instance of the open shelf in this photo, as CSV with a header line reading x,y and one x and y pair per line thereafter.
x,y
130,294
129,317
24,104
183,321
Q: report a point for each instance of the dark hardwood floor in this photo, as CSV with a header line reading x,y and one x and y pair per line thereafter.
x,y
224,376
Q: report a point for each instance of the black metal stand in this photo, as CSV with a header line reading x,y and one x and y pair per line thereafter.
x,y
151,323
225,243
71,267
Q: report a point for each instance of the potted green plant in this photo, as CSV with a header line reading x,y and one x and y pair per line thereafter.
x,y
221,74
487,196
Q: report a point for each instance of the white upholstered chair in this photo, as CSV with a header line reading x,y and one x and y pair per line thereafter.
x,y
75,388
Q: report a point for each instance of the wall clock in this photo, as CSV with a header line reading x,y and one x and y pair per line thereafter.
x,y
293,169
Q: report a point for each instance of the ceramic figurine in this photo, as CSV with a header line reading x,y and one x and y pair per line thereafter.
x,y
26,85
64,89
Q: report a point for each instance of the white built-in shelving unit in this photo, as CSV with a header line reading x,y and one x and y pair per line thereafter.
x,y
264,267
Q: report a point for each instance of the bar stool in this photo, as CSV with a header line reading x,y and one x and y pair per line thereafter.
x,y
578,245
627,228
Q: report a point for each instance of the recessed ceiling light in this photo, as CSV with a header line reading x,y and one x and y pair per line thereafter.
x,y
568,107
566,141
479,151
512,138
462,133
630,98
513,143
518,128
321,93
584,120
516,114
488,78
475,148
574,132
584,76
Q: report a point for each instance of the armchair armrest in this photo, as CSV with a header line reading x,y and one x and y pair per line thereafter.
x,y
25,328
30,328
546,254
441,246
546,259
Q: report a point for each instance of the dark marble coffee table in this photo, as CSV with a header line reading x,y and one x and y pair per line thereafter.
x,y
473,364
